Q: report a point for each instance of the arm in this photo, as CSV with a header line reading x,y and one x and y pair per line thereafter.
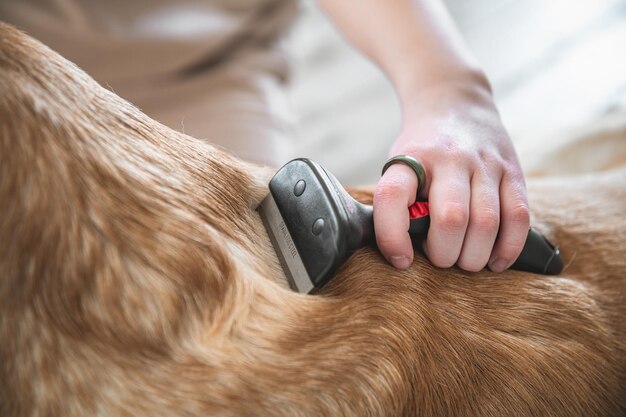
x,y
474,184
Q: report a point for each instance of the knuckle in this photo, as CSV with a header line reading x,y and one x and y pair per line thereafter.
x,y
488,158
513,169
520,216
453,217
419,149
460,155
388,189
388,239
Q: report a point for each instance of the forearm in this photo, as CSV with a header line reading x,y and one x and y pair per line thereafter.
x,y
414,42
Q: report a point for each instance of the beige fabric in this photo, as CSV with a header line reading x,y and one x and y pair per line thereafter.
x,y
213,69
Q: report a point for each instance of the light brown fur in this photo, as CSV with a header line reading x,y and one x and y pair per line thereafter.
x,y
136,279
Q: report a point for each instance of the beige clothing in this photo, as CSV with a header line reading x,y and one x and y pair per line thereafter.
x,y
213,68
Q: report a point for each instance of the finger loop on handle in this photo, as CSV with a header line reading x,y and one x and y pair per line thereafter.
x,y
414,164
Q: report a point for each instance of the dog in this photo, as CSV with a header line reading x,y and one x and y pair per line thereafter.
x,y
136,278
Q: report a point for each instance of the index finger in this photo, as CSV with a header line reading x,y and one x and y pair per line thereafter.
x,y
394,193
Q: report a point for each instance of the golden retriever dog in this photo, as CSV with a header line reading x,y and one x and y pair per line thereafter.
x,y
136,279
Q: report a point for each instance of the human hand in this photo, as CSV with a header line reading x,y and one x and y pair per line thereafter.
x,y
474,183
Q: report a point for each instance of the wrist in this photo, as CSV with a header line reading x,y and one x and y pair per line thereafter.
x,y
466,88
447,105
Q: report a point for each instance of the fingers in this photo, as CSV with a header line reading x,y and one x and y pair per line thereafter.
x,y
478,217
466,221
484,222
514,224
394,193
449,200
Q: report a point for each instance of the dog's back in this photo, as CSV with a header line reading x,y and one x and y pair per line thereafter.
x,y
136,279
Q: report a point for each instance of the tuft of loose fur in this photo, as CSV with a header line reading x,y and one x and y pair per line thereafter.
x,y
136,279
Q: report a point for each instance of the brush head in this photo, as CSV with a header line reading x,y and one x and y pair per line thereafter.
x,y
278,232
313,223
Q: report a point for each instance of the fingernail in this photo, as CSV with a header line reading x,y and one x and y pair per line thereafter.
x,y
498,265
400,262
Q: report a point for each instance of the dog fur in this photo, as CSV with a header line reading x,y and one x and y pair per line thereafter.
x,y
136,279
